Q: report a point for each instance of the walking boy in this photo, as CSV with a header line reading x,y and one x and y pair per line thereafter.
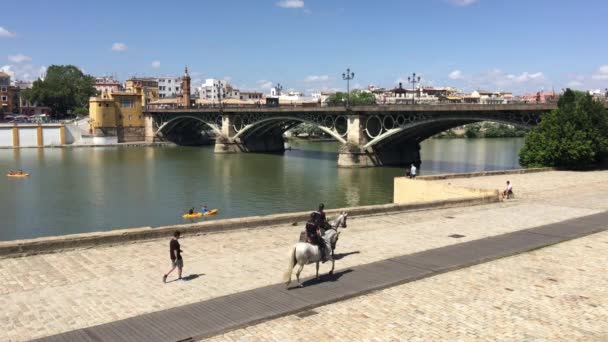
x,y
176,257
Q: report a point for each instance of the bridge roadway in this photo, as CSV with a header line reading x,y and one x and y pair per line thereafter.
x,y
370,135
336,110
43,295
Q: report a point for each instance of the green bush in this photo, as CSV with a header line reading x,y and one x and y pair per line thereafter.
x,y
573,136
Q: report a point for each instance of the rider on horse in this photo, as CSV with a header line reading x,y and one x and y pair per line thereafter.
x,y
321,220
313,234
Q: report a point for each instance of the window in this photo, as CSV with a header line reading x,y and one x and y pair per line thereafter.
x,y
4,99
99,104
107,105
126,103
3,89
176,88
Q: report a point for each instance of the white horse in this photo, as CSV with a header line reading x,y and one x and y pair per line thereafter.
x,y
304,253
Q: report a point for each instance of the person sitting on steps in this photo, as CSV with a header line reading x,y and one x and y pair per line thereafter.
x,y
313,235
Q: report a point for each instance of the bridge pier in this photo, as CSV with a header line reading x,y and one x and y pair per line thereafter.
x,y
149,131
354,154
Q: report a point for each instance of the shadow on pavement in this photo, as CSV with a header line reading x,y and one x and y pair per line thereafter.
x,y
339,256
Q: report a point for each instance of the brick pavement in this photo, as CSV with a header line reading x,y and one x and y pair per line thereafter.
x,y
558,293
48,294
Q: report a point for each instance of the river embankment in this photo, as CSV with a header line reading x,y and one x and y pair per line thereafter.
x,y
484,186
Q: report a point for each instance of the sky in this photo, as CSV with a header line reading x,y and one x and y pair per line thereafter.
x,y
510,45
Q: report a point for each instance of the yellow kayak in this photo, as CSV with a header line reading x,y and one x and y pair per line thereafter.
x,y
199,214
18,175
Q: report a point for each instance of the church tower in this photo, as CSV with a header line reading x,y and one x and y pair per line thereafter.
x,y
185,90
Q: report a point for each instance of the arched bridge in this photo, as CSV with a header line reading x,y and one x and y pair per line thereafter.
x,y
371,135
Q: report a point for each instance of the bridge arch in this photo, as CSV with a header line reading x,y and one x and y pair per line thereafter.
x,y
423,127
283,123
173,122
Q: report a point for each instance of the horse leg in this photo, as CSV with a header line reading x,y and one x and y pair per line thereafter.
x,y
317,270
333,263
298,274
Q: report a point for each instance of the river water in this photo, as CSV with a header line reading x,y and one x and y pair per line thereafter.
x,y
76,190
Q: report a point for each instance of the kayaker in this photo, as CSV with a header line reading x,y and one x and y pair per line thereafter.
x,y
20,171
11,172
191,211
204,210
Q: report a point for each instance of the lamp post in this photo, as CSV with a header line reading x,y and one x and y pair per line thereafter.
x,y
413,80
347,76
218,90
606,93
278,89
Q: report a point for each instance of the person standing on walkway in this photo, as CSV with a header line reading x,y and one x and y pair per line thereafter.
x,y
176,257
413,171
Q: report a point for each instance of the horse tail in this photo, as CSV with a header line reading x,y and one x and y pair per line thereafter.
x,y
292,263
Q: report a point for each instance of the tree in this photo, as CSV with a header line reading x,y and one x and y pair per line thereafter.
x,y
472,131
357,98
574,135
64,89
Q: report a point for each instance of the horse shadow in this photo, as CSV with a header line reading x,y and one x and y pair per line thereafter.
x,y
340,256
324,278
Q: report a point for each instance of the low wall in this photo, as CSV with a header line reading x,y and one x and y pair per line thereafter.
x,y
486,173
407,191
32,135
88,240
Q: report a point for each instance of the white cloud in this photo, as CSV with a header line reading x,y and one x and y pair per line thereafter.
x,y
19,58
462,3
525,77
316,78
24,72
4,33
601,74
574,84
456,75
119,47
291,3
497,79
264,84
156,64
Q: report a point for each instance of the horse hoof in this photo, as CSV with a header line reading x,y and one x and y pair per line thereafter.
x,y
331,272
300,285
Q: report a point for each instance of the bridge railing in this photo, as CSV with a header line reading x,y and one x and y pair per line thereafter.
x,y
325,105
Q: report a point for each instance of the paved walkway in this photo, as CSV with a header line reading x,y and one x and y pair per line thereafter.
x,y
558,293
44,295
214,316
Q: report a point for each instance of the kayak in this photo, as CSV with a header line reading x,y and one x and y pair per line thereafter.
x,y
199,214
18,175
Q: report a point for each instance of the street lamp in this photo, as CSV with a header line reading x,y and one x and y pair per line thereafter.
x,y
218,90
278,89
347,76
413,80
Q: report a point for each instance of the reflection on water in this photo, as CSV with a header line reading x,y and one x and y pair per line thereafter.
x,y
90,189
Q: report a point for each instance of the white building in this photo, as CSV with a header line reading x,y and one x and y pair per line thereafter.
x,y
251,95
168,86
212,88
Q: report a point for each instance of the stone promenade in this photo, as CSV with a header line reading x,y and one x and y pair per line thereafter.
x,y
49,294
